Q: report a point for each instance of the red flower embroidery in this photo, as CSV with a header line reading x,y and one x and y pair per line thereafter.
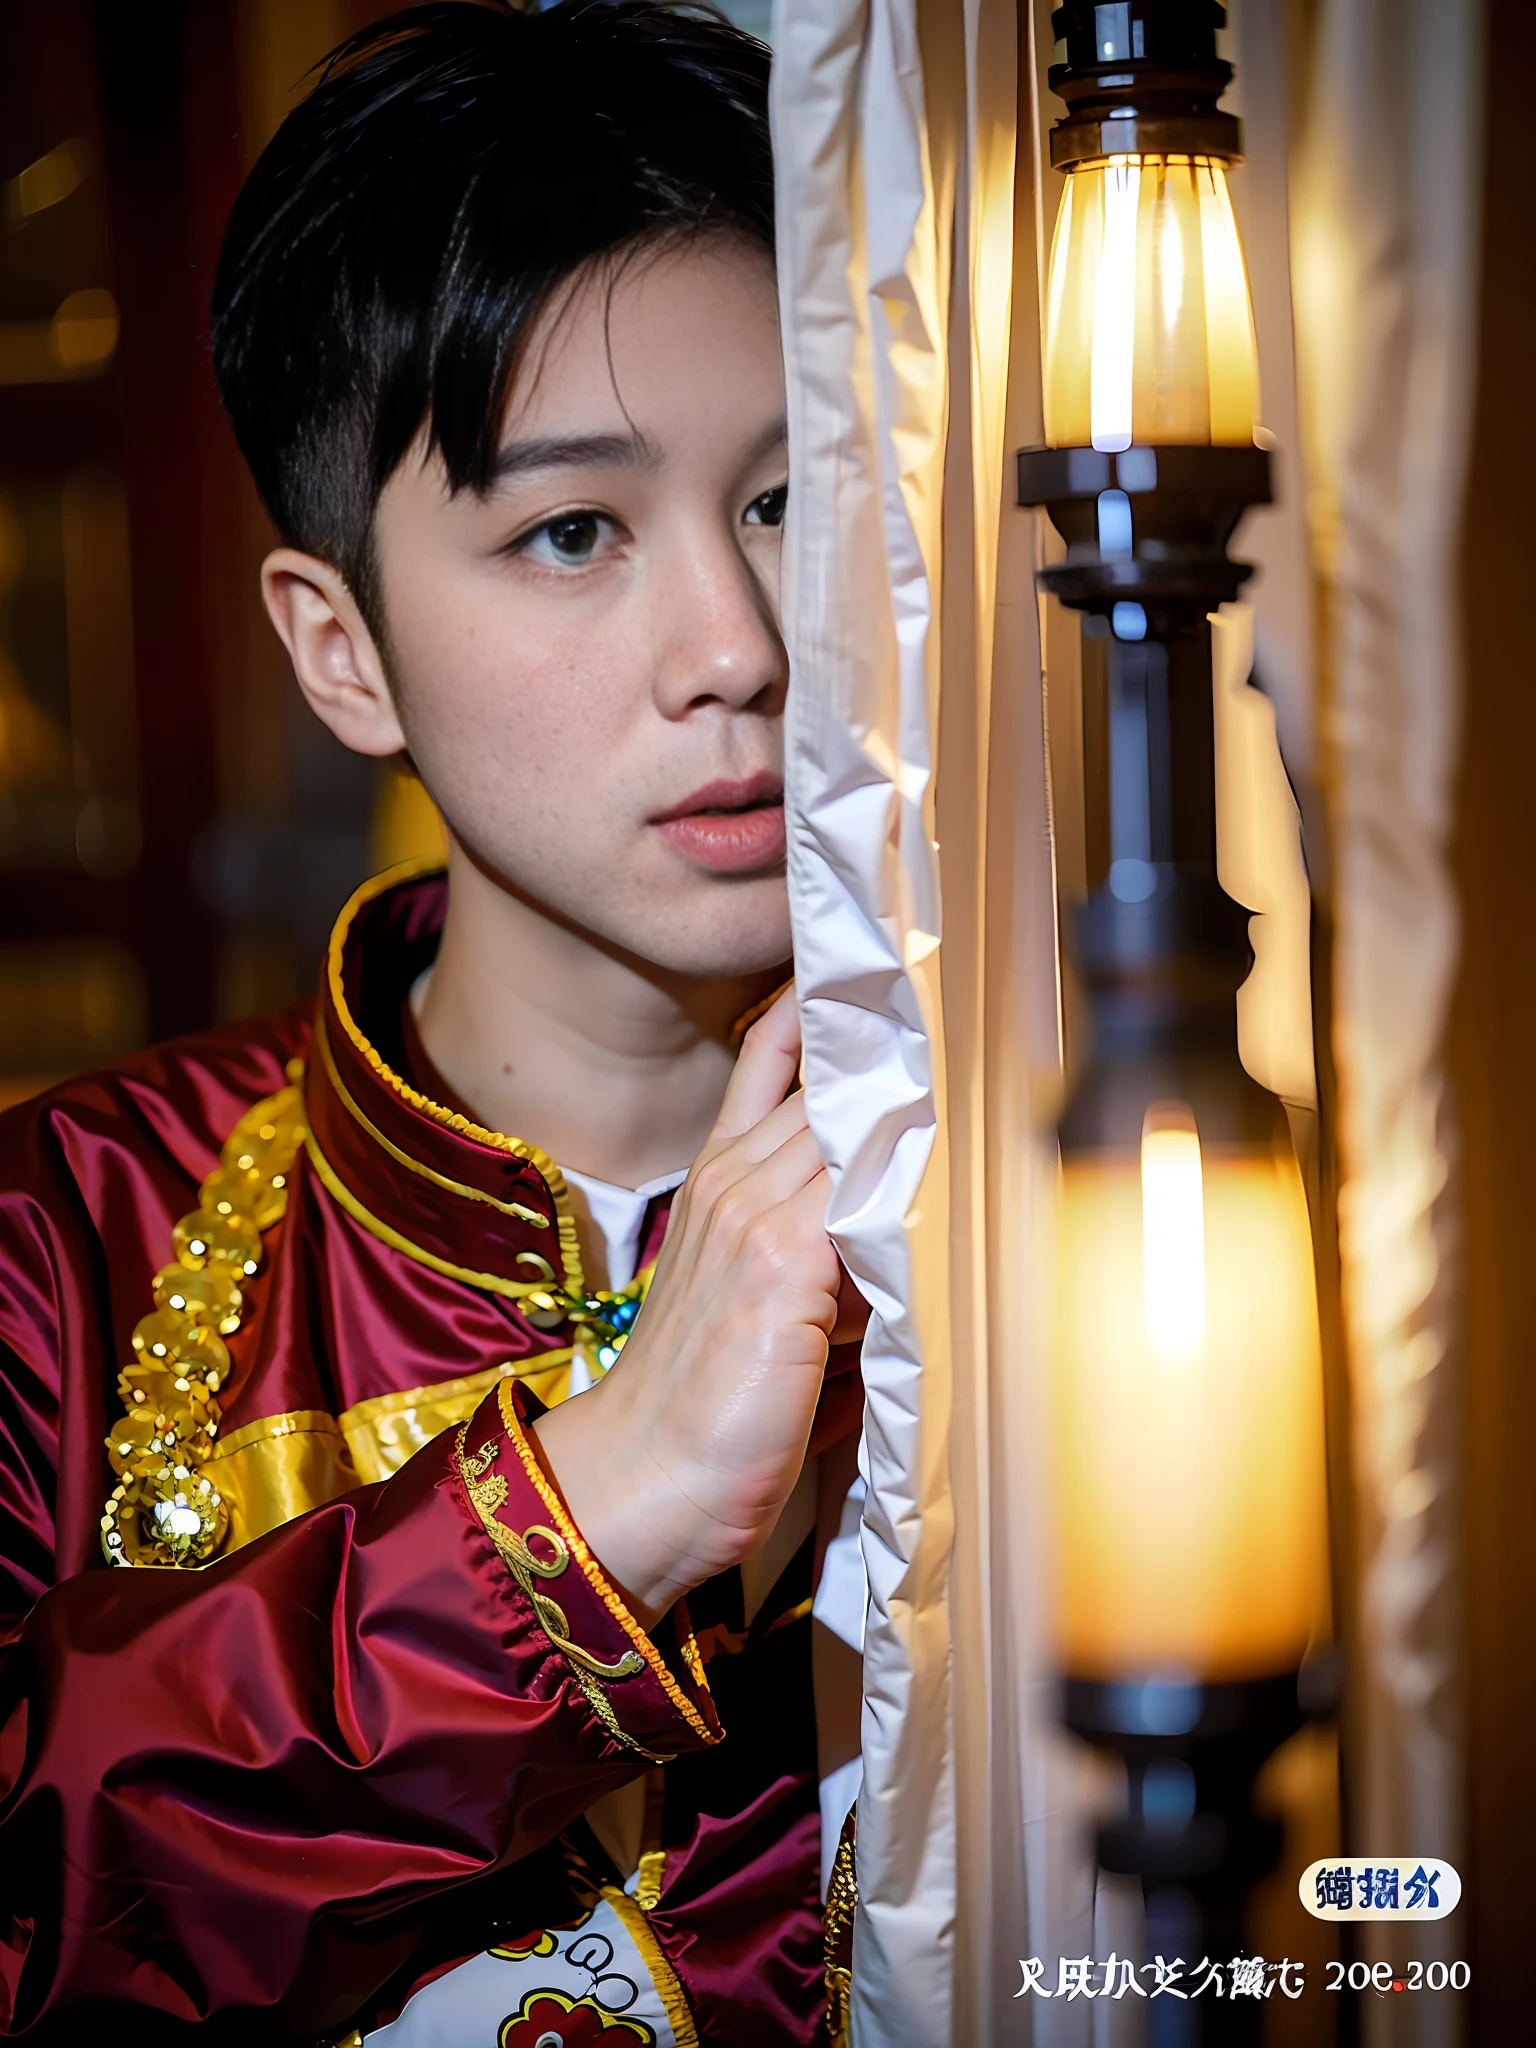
x,y
548,2019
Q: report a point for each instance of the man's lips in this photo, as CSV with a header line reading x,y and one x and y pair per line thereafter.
x,y
730,828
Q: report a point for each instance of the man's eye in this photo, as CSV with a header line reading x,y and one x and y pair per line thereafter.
x,y
768,510
567,542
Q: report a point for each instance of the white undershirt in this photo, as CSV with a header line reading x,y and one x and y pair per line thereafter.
x,y
614,1216
609,1221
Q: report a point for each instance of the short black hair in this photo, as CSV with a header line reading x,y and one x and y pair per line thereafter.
x,y
396,240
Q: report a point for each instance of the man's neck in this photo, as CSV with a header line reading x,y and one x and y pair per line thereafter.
x,y
613,1067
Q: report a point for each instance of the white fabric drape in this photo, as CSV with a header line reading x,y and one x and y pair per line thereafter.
x,y
1386,234
864,888
921,883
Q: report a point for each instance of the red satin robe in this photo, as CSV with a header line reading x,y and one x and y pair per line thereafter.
x,y
279,1792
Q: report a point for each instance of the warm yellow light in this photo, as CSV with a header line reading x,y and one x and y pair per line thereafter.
x,y
1149,330
85,330
45,183
1187,1411
1172,1232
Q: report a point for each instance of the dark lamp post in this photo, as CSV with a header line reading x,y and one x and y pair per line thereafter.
x,y
1187,1393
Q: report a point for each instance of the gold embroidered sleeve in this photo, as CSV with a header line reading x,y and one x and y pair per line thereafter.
x,y
649,1703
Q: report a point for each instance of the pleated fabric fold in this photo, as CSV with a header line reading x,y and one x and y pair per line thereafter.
x,y
923,894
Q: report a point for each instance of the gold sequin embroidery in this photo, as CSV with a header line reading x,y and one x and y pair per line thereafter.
x,y
165,1508
837,1933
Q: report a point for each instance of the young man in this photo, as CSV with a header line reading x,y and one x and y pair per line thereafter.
x,y
411,1735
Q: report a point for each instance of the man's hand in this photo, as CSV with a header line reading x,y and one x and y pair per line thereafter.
x,y
678,1463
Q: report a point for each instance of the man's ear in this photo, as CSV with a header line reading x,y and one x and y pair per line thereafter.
x,y
333,653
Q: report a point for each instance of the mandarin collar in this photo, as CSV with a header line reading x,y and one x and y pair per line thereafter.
x,y
472,1203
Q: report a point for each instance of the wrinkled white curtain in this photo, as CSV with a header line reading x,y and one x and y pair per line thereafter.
x,y
922,887
1386,232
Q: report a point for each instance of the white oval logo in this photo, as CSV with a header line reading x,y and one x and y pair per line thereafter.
x,y
1380,1888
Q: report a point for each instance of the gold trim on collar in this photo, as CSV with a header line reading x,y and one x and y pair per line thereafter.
x,y
453,1187
488,1283
570,1248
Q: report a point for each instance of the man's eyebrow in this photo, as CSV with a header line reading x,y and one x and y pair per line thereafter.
x,y
770,438
575,451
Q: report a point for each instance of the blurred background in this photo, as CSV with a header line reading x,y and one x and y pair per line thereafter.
x,y
176,831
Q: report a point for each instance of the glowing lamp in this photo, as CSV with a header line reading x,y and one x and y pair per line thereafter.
x,y
1149,330
1188,1445
1187,1384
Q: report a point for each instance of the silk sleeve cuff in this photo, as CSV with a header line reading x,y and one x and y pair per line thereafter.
x,y
650,1696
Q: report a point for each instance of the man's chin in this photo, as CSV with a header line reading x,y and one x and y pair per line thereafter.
x,y
739,938
705,927
704,960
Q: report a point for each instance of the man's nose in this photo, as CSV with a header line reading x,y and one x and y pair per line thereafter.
x,y
720,636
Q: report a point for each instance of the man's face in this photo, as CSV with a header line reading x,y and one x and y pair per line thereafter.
x,y
586,662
